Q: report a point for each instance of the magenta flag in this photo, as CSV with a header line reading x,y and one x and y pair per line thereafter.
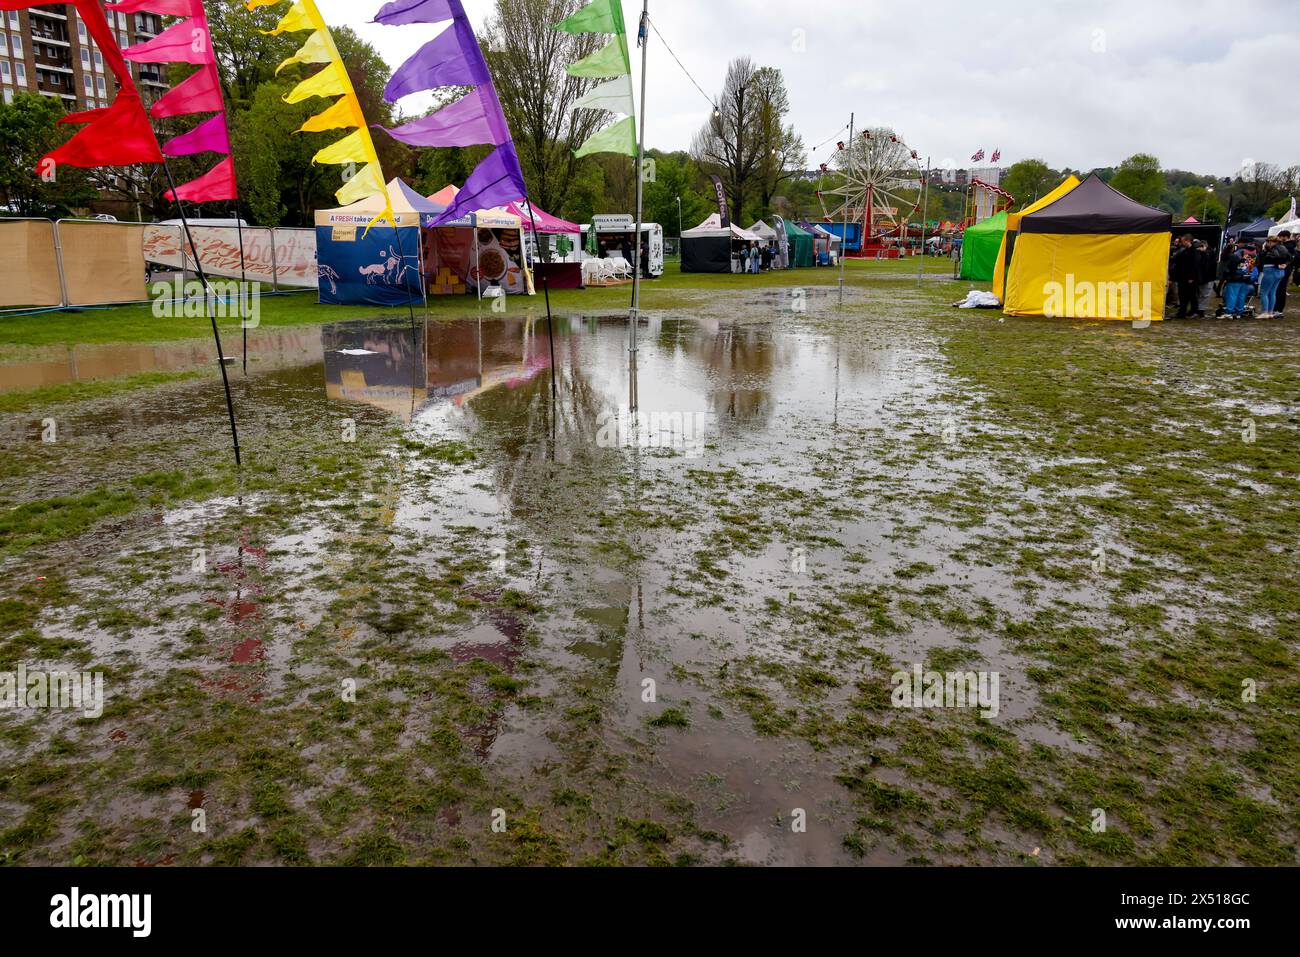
x,y
210,136
189,41
401,12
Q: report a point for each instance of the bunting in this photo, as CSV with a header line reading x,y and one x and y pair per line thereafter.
x,y
454,58
117,135
344,114
189,40
613,64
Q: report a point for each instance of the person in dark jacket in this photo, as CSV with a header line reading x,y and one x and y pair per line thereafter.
x,y
1208,268
1185,269
1291,276
1239,279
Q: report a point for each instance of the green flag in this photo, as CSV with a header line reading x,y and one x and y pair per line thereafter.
x,y
599,16
610,60
619,138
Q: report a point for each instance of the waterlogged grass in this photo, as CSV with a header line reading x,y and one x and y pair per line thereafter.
x,y
1104,516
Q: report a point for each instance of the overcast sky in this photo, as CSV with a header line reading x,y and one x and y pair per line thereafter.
x,y
1203,84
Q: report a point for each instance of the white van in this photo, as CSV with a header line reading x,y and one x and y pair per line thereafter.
x,y
614,232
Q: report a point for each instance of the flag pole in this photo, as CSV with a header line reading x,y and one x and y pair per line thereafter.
x,y
207,308
643,41
925,211
546,290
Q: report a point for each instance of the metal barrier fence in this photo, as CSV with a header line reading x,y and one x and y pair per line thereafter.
x,y
78,262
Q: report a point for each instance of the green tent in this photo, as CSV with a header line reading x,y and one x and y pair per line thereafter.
x,y
801,246
980,246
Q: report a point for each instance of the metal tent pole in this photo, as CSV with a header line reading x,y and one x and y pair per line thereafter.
x,y
634,317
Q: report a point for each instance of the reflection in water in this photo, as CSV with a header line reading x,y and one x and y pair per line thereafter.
x,y
60,365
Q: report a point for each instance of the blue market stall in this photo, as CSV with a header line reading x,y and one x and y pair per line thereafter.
x,y
381,267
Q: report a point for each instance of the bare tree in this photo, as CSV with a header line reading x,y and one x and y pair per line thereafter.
x,y
730,144
528,60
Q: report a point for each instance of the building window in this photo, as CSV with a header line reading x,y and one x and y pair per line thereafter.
x,y
18,45
81,31
85,80
4,70
99,60
13,20
85,58
20,72
4,43
99,83
9,96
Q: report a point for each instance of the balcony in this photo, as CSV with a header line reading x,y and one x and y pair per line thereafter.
x,y
47,60
55,11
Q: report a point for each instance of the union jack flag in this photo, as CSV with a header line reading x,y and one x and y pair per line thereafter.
x,y
977,157
997,155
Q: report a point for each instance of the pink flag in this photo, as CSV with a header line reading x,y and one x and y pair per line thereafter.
x,y
184,42
199,94
214,186
210,136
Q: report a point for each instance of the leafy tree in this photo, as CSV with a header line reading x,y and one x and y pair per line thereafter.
x,y
1140,178
28,130
1279,209
675,177
1030,180
1207,207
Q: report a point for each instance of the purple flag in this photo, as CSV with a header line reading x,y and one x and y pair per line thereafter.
x,y
497,180
401,12
470,121
444,61
210,136
454,58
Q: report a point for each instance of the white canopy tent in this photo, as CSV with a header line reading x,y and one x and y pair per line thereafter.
x,y
1292,227
764,232
712,228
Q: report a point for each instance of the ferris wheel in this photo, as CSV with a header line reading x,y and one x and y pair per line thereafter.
x,y
876,182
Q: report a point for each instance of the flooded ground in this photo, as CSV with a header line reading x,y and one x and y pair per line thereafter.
x,y
442,617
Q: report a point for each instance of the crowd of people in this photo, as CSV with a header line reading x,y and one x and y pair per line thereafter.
x,y
1243,272
758,257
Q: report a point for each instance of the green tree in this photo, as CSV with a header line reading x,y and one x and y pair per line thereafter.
x,y
29,128
1140,178
1030,180
1279,209
675,177
1204,205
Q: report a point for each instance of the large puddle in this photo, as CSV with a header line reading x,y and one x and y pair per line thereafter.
x,y
734,470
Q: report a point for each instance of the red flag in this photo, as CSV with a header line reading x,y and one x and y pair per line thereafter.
x,y
119,135
214,186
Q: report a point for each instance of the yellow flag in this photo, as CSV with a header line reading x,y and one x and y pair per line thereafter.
x,y
298,18
315,50
354,148
331,81
340,116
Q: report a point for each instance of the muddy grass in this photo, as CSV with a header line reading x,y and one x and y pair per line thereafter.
x,y
432,603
